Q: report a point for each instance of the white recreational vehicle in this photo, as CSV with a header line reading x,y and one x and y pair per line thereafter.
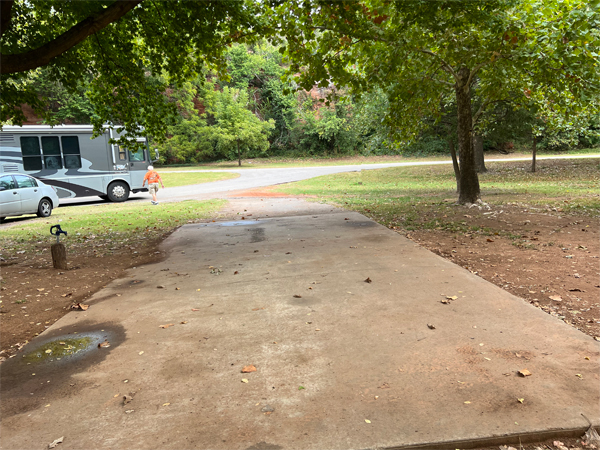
x,y
67,158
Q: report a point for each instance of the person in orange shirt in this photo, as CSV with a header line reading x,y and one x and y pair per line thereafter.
x,y
153,178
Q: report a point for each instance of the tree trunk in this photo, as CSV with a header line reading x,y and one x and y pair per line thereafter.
x,y
455,165
534,153
239,154
478,153
469,191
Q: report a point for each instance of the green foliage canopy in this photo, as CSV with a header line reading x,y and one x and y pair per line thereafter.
x,y
130,51
421,52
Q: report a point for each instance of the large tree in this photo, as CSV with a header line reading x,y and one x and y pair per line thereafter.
x,y
131,50
419,51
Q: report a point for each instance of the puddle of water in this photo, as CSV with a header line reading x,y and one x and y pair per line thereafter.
x,y
64,348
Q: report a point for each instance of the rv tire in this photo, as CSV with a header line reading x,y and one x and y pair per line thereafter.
x,y
118,191
44,208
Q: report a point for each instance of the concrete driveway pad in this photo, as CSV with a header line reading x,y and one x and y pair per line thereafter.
x,y
344,322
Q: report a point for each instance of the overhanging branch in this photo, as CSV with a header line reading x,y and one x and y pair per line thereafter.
x,y
41,56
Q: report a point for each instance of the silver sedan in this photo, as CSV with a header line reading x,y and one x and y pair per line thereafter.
x,y
21,194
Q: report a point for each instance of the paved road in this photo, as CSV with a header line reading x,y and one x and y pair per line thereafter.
x,y
255,178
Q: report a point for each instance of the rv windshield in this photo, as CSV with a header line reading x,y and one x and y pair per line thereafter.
x,y
138,155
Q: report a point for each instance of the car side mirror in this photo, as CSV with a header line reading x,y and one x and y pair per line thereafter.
x,y
2,188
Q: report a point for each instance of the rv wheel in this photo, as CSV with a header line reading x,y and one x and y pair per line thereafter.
x,y
118,191
44,208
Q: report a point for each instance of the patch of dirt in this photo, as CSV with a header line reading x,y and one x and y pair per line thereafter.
x,y
35,295
549,260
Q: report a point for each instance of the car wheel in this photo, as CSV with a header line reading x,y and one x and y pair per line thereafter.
x,y
44,208
118,191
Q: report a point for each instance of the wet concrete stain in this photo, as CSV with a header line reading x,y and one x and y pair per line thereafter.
x,y
361,224
43,369
233,223
257,235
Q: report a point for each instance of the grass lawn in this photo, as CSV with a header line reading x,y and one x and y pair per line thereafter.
x,y
275,162
401,196
106,226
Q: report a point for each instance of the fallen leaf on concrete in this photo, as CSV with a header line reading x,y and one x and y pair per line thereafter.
x,y
445,301
160,286
556,298
104,344
55,442
195,309
236,272
489,240
67,295
384,386
166,404
183,322
524,373
141,353
430,326
198,289
467,402
367,421
165,326
368,280
268,409
40,289
248,369
575,290
127,399
451,297
301,387
80,306
257,309
578,375
177,288
244,380
129,411
520,400
297,296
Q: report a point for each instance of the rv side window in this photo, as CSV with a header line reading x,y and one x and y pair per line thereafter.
x,y
51,149
71,152
122,153
32,157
